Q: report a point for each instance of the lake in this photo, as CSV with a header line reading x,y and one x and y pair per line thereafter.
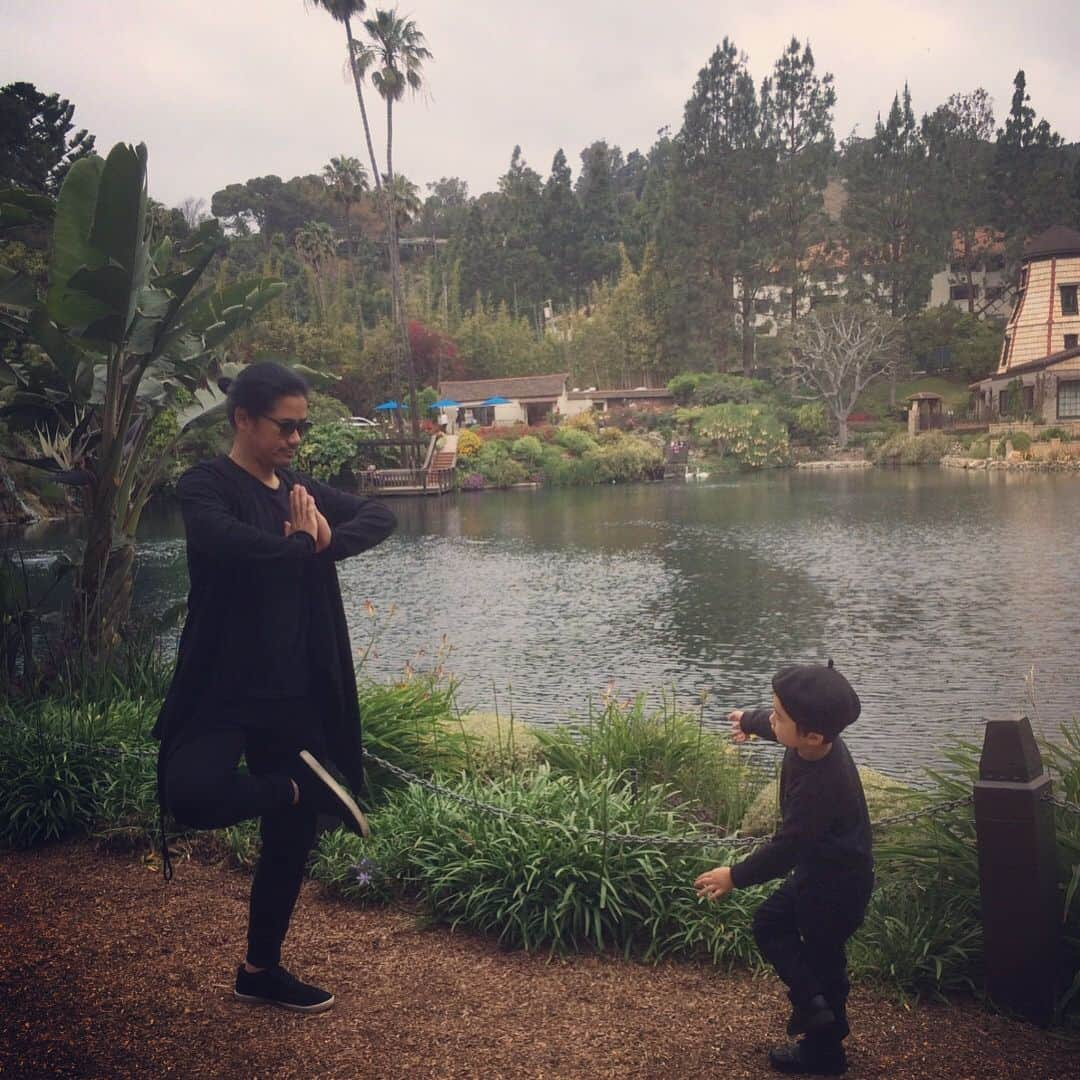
x,y
935,591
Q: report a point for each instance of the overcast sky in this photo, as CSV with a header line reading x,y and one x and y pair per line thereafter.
x,y
224,90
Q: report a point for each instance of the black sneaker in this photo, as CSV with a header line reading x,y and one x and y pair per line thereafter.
x,y
815,1015
320,790
798,1059
276,986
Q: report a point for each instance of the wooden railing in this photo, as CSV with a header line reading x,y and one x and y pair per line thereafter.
x,y
402,480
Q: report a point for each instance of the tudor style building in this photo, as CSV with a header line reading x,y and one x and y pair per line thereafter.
x,y
1038,375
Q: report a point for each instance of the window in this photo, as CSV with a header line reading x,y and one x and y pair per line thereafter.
x,y
960,292
1069,300
1068,400
762,305
1072,340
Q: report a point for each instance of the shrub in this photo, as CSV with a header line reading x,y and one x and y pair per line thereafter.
x,y
665,748
1021,441
750,435
913,449
609,435
574,439
468,444
810,421
528,449
538,875
328,451
626,459
1053,433
473,482
582,421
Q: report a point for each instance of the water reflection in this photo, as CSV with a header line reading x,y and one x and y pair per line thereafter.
x,y
935,592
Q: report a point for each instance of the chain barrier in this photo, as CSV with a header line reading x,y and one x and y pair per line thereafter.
x,y
1063,803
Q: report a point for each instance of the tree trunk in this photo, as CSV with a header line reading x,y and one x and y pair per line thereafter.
x,y
363,110
747,332
842,430
395,272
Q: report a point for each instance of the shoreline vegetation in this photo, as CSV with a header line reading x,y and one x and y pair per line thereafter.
x,y
514,837
733,425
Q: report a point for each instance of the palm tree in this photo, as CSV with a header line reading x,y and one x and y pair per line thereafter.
x,y
397,54
347,179
406,200
317,249
343,11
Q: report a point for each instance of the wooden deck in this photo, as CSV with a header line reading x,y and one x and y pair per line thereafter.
x,y
434,477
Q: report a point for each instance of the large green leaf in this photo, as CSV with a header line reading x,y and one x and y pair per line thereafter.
x,y
71,243
18,207
16,290
119,227
74,364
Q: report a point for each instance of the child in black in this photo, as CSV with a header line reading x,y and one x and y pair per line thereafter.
x,y
824,840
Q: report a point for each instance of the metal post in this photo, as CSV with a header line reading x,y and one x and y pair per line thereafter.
x,y
1018,877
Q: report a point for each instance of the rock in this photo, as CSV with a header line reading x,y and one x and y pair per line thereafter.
x,y
884,797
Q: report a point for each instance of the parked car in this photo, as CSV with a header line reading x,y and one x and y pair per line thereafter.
x,y
359,421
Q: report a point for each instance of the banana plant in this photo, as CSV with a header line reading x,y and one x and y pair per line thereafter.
x,y
117,364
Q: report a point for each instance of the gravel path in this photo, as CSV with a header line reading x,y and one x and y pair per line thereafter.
x,y
106,971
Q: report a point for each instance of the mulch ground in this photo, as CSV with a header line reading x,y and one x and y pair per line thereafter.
x,y
106,971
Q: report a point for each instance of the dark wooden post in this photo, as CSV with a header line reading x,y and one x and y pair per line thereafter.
x,y
1021,909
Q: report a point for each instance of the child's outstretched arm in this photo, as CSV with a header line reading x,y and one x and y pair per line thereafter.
x,y
747,722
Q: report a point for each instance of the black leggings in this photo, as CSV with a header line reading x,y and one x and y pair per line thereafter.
x,y
205,790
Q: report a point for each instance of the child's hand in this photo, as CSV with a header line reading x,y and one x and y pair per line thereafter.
x,y
737,733
715,884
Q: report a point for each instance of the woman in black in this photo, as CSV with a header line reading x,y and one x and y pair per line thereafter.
x,y
264,669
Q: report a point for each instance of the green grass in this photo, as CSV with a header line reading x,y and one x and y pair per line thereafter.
x,y
875,399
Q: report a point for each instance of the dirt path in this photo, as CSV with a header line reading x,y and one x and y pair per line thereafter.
x,y
105,971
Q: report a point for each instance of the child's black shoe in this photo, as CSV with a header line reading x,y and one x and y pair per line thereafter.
x,y
799,1059
815,1015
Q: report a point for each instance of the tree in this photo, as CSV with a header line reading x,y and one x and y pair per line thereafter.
x,y
1030,171
317,248
894,236
347,180
406,201
957,137
36,149
396,57
798,116
838,351
716,224
560,232
595,191
124,348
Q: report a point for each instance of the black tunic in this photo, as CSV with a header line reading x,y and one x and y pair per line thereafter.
x,y
824,830
265,617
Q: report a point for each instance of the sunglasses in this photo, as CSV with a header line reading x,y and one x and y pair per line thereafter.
x,y
287,427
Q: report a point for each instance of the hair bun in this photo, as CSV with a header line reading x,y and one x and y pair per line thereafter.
x,y
224,383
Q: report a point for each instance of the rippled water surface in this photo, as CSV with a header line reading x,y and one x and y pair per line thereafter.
x,y
935,592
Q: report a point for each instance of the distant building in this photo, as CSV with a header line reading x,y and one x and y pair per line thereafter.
x,y
1038,376
974,281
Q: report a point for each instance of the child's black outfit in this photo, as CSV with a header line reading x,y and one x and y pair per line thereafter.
x,y
824,838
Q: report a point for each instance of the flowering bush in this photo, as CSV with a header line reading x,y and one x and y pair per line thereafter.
x,y
468,443
749,434
473,482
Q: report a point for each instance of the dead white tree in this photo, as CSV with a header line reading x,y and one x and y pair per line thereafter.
x,y
838,351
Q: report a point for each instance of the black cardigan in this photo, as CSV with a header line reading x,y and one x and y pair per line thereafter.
x,y
265,618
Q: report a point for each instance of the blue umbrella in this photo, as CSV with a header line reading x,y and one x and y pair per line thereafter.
x,y
387,406
496,401
445,403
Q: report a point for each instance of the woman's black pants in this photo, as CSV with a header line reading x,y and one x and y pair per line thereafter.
x,y
205,789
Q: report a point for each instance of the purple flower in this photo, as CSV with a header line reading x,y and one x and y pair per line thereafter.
x,y
364,872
